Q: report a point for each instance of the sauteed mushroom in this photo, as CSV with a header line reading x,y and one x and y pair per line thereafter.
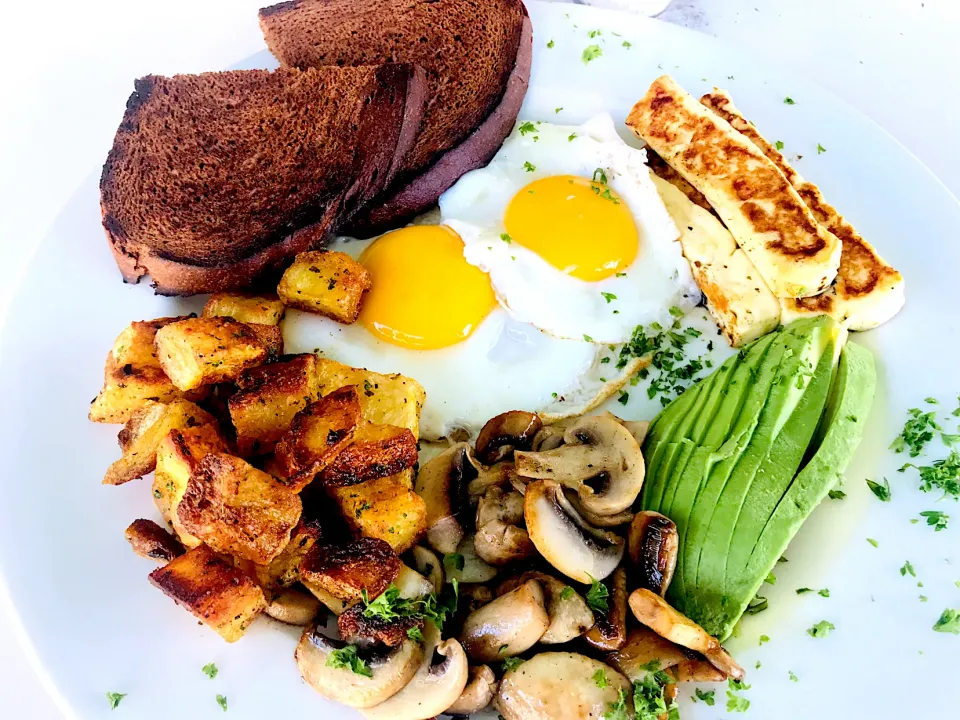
x,y
643,647
480,689
610,630
601,521
434,687
696,671
474,569
391,668
509,431
428,564
600,460
575,548
569,614
507,626
500,539
652,544
293,607
441,485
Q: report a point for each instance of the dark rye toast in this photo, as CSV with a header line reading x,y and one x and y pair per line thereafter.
x,y
216,180
477,58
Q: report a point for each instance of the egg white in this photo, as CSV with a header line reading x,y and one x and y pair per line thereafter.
x,y
535,291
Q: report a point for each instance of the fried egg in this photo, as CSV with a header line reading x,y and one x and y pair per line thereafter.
x,y
434,317
569,227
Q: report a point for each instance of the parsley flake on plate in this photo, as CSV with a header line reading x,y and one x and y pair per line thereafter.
x,y
778,145
210,670
529,166
881,491
705,696
527,127
821,629
873,542
222,702
347,658
936,519
608,296
949,622
917,431
907,569
551,43
792,677
114,698
627,44
789,101
820,149
764,639
591,53
943,475
757,605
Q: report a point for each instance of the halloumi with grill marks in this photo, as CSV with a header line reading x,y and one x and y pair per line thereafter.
x,y
867,290
740,302
796,256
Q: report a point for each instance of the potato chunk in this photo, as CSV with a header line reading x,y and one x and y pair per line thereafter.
x,y
384,399
151,541
268,398
219,594
270,336
284,570
384,508
317,435
326,283
346,572
132,374
245,307
177,455
236,509
203,351
141,436
376,451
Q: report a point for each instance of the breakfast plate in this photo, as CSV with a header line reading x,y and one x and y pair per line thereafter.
x,y
95,626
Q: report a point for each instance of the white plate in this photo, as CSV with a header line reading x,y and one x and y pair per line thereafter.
x,y
97,625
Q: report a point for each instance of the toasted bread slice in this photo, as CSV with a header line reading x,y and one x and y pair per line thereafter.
x,y
216,179
736,295
477,58
796,256
867,290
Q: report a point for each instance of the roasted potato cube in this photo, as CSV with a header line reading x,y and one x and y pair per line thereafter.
x,y
239,510
143,432
128,387
345,572
221,595
317,435
245,307
135,344
284,570
270,336
384,399
327,283
203,351
151,541
376,451
267,399
177,455
385,508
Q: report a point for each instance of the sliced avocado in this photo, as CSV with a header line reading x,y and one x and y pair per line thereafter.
x,y
730,396
839,434
771,481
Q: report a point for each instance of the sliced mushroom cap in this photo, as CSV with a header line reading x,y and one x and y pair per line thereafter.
x,y
488,476
412,584
600,460
696,671
500,504
610,631
475,569
574,547
654,612
441,484
391,668
438,682
558,686
509,431
293,607
500,544
616,520
652,544
509,625
549,437
644,647
480,689
429,565
569,614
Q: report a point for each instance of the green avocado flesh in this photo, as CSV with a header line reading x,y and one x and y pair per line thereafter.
x,y
740,460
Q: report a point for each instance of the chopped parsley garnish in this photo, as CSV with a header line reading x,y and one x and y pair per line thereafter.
x,y
949,622
618,710
551,43
557,110
415,633
567,593
594,33
599,175
820,149
600,678
506,238
821,629
527,127
222,702
587,338
346,658
707,697
627,44
389,606
210,670
789,101
778,145
590,53
529,166
511,662
907,569
764,639
873,542
936,519
737,703
598,596
792,677
609,297
824,592
757,605
943,475
571,137
836,494
803,591
114,698
770,579
624,397
917,432
881,491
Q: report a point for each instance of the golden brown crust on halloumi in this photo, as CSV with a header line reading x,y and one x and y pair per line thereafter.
x,y
663,171
795,254
867,290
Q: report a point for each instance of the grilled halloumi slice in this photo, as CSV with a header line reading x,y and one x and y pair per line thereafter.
x,y
796,256
739,300
867,290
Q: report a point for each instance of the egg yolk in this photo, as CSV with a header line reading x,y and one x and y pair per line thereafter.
x,y
424,294
579,226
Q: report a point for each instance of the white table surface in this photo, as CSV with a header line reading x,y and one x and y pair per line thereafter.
x,y
68,67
